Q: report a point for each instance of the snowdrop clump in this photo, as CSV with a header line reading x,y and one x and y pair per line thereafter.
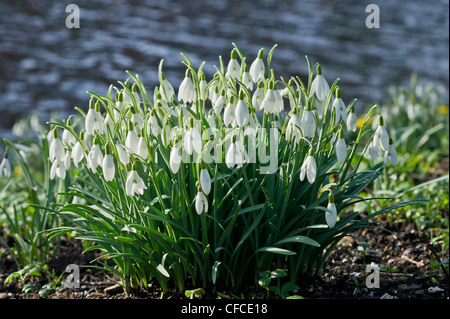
x,y
196,170
133,127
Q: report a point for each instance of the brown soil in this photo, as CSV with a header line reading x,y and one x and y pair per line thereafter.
x,y
412,277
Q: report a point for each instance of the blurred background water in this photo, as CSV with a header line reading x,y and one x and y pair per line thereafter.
x,y
47,67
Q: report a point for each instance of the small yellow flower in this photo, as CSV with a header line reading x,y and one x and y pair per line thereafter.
x,y
360,121
443,109
17,170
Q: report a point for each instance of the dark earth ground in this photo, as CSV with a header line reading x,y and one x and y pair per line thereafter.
x,y
413,276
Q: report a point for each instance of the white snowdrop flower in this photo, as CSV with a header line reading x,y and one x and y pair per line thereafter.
x,y
109,121
192,140
215,94
293,129
279,104
242,112
219,103
233,69
201,203
136,96
132,139
136,119
134,184
67,161
229,113
5,167
94,158
391,154
166,134
94,120
331,214
341,148
372,151
175,159
258,96
78,150
269,104
253,121
211,119
286,92
309,168
142,149
381,137
319,86
202,86
166,89
308,123
352,121
67,136
153,125
58,169
119,100
339,107
236,154
257,68
124,157
187,92
56,150
205,181
246,79
109,169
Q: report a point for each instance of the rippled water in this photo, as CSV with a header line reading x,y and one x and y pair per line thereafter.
x,y
45,66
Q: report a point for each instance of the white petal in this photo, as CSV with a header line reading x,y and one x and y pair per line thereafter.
x,y
242,113
341,150
124,157
230,158
352,122
308,124
175,159
330,217
311,169
205,181
257,70
108,168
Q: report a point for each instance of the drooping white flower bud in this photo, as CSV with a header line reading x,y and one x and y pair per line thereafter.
x,y
341,148
258,96
205,181
257,68
187,92
124,157
381,136
242,112
293,130
108,165
56,150
339,107
352,121
331,214
175,159
309,168
229,113
5,167
201,203
233,69
319,86
246,79
308,123
132,139
192,140
219,103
